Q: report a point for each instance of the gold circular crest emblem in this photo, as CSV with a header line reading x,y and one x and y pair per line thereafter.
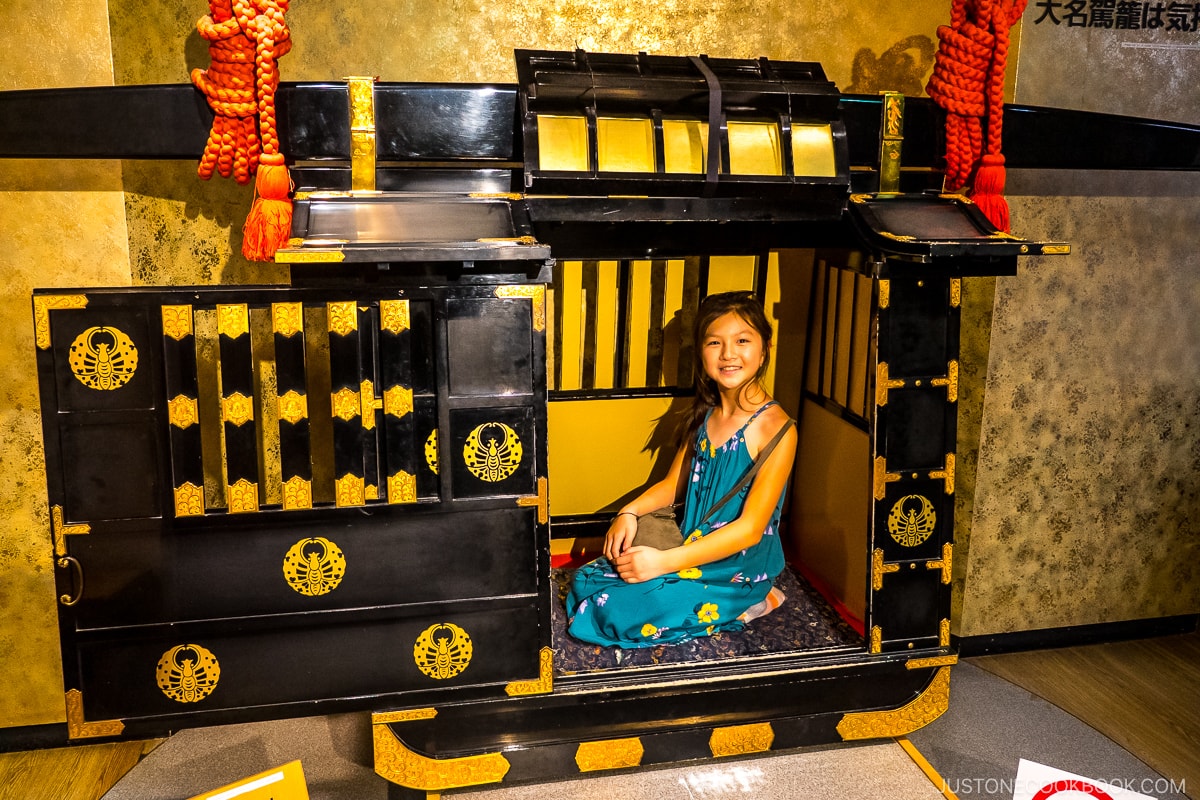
x,y
188,673
103,358
442,651
911,520
492,452
431,451
314,567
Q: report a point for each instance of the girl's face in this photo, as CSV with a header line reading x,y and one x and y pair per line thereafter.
x,y
731,351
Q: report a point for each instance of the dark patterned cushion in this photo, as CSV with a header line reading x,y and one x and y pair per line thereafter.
x,y
805,621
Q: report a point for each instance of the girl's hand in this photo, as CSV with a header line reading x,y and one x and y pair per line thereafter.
x,y
620,536
641,563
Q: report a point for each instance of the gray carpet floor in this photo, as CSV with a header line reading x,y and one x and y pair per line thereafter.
x,y
976,747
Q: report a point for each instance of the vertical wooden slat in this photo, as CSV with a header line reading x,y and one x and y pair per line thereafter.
x,y
237,408
624,299
346,376
183,393
395,379
587,359
291,397
654,334
695,278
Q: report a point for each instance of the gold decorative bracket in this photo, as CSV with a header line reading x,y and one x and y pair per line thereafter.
x,y
396,763
370,404
177,322
43,304
61,530
78,728
935,661
362,133
350,490
287,319
402,488
945,563
541,501
892,136
394,316
885,293
543,684
741,740
947,474
950,382
609,754
883,477
189,500
884,384
924,709
182,411
879,569
944,633
955,292
233,320
876,645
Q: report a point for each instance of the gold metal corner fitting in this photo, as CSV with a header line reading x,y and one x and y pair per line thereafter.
x,y
945,563
924,709
950,382
78,728
540,501
43,304
883,477
536,294
177,322
543,684
396,763
946,475
934,661
884,384
879,569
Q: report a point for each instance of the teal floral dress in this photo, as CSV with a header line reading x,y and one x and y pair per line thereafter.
x,y
699,601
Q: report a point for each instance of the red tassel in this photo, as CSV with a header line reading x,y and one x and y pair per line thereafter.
x,y
269,223
988,193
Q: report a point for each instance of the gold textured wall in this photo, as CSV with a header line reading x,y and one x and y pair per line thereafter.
x,y
1087,505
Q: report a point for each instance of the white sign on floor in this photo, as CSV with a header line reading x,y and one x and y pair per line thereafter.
x,y
1039,782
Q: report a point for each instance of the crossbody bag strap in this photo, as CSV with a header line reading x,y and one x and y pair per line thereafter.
x,y
750,473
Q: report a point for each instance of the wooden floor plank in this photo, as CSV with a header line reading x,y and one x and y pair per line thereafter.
x,y
1144,695
69,773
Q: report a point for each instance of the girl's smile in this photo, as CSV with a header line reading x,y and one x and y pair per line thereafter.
x,y
731,351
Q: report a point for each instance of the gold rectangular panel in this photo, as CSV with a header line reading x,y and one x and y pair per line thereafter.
x,y
685,145
812,151
625,145
562,143
755,148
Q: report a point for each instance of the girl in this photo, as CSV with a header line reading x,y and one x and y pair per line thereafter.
x,y
637,596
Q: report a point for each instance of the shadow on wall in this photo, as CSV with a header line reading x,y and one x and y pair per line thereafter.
x,y
904,67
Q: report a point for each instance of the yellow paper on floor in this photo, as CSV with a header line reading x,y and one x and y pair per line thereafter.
x,y
282,783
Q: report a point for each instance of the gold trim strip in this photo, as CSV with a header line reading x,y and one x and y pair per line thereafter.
x,y
233,319
343,317
78,728
43,304
890,142
950,382
883,477
741,740
394,316
536,294
946,474
308,256
287,319
362,133
885,293
955,292
1056,250
884,384
924,709
609,754
945,564
396,763
879,569
935,661
182,411
876,639
944,633
541,501
61,530
189,500
177,322
543,684
408,715
297,494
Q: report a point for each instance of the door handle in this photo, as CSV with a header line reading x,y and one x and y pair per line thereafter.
x,y
68,562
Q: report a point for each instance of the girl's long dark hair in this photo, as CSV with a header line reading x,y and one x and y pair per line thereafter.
x,y
746,306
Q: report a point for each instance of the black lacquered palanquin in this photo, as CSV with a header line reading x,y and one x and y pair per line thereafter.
x,y
274,501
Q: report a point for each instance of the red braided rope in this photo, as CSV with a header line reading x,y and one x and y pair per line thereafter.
x,y
968,84
246,38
